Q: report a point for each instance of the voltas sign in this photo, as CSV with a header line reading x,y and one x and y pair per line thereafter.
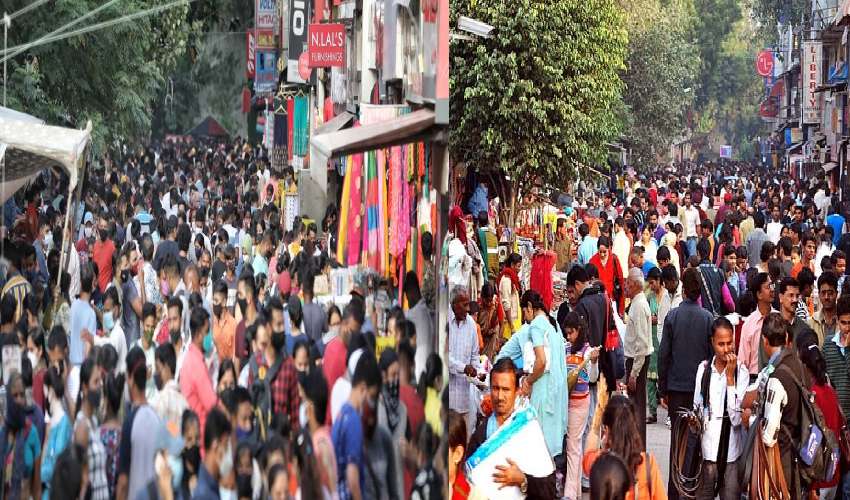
x,y
327,45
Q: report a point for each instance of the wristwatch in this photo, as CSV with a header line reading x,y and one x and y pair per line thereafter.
x,y
523,488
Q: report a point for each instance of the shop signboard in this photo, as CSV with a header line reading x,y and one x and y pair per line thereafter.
x,y
251,54
726,152
265,15
811,77
299,18
266,71
327,45
764,63
265,39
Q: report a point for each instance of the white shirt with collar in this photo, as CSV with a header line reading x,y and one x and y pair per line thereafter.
x,y
720,392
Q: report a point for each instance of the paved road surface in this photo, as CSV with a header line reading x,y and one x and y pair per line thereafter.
x,y
658,438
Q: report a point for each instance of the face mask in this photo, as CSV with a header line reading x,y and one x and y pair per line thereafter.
x,y
243,485
392,390
192,459
157,380
87,232
243,305
33,359
217,310
148,336
278,340
103,235
15,415
94,397
48,240
226,465
108,321
198,253
242,434
176,466
302,414
225,494
164,288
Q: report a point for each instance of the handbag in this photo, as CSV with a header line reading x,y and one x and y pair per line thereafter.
x,y
612,336
844,440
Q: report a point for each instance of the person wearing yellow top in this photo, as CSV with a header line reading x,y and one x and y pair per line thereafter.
x,y
430,384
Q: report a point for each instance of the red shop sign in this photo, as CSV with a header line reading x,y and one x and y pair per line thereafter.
x,y
326,45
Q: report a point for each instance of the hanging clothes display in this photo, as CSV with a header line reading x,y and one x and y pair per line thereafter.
x,y
301,126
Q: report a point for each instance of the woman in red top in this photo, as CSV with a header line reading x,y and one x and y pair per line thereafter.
x,y
825,397
610,272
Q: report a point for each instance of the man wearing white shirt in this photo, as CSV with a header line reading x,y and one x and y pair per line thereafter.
x,y
774,227
691,221
463,358
719,390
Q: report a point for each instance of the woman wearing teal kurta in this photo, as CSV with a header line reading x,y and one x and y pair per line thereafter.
x,y
653,296
547,381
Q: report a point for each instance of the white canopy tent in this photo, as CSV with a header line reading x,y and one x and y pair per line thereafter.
x,y
28,146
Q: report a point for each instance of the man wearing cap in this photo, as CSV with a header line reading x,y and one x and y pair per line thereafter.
x,y
638,345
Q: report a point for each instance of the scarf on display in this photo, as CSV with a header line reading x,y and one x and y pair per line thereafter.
x,y
510,273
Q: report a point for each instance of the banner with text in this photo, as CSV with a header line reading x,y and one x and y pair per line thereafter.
x,y
266,80
327,45
251,49
811,77
299,18
265,15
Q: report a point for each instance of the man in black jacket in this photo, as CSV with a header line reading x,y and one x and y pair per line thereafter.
x,y
712,280
504,385
685,343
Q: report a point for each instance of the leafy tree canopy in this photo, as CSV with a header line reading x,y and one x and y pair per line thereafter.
x,y
538,99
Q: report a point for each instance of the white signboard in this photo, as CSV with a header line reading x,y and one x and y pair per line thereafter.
x,y
811,78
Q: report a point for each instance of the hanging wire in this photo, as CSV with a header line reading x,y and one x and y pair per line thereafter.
x,y
61,29
26,9
112,22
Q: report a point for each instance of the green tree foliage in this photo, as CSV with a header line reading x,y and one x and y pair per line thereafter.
x,y
660,79
110,76
539,98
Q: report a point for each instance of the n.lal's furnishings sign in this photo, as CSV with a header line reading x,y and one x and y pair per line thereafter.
x,y
327,45
265,15
811,76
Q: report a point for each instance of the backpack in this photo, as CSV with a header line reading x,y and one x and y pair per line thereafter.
x,y
261,395
819,454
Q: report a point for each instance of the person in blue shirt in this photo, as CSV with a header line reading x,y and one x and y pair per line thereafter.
x,y
59,430
347,431
836,221
218,456
588,246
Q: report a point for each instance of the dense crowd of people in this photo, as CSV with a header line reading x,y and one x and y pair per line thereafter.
x,y
177,340
715,291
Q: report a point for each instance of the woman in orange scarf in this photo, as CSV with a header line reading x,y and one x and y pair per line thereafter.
x,y
610,272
